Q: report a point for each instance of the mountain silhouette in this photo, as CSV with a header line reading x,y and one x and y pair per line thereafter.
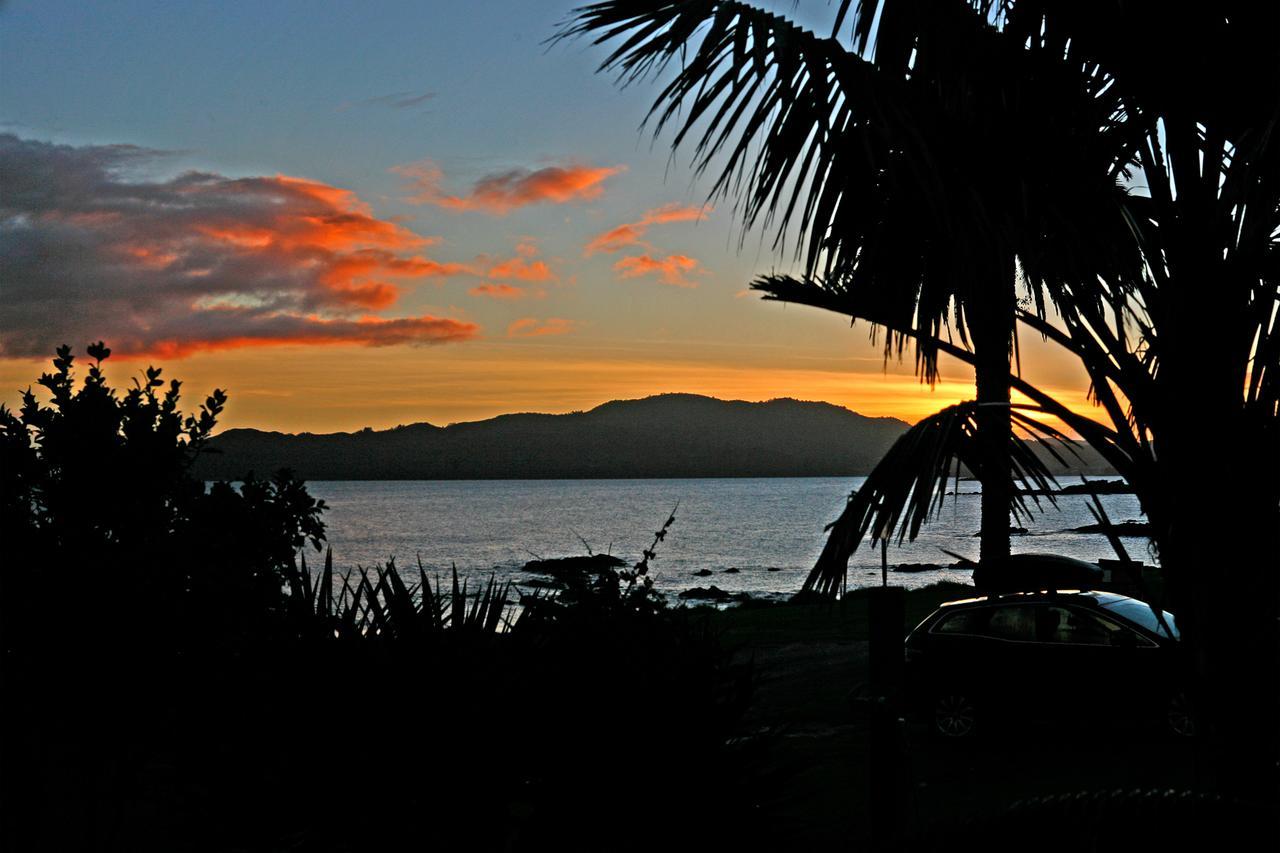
x,y
669,435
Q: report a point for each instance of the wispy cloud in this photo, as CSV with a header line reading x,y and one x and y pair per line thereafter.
x,y
532,327
632,233
502,192
395,101
671,269
196,262
502,291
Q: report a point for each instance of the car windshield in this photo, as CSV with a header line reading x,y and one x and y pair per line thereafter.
x,y
1142,614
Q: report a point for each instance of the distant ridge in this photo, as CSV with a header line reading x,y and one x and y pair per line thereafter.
x,y
669,435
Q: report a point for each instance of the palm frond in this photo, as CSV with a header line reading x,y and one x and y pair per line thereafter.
x,y
908,486
791,122
831,296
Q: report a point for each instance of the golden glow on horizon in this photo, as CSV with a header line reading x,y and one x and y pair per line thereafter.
x,y
299,389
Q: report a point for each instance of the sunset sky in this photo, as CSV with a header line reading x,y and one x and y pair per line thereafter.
x,y
355,215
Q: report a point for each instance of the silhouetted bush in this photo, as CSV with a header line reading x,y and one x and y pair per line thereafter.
x,y
102,519
126,587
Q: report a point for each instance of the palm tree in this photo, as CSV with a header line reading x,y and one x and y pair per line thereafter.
x,y
1196,347
1193,342
916,180
1184,352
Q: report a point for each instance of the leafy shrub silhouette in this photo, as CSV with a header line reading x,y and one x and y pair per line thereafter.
x,y
126,587
99,512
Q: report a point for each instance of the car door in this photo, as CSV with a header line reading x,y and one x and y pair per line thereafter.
x,y
1093,664
1013,677
1135,679
959,652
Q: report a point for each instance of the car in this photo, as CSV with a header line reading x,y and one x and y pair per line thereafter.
x,y
1083,655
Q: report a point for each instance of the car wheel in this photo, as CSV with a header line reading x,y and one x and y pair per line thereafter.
x,y
954,716
1178,717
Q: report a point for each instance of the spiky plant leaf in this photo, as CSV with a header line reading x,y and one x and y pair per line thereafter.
x,y
432,607
458,617
324,600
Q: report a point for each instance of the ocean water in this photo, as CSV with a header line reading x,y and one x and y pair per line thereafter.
x,y
770,529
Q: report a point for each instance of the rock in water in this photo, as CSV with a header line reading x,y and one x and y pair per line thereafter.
x,y
563,567
711,593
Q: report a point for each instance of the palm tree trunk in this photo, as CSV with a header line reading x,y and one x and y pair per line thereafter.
x,y
991,324
1220,469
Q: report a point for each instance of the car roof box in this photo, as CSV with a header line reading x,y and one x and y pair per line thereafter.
x,y
1034,572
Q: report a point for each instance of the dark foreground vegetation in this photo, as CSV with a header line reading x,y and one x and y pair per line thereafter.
x,y
175,680
177,677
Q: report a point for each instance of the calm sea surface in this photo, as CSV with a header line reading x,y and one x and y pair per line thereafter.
x,y
754,525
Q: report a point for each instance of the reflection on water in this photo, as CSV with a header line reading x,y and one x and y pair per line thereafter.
x,y
753,525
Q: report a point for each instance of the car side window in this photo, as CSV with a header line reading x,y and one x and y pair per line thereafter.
x,y
971,622
1118,635
1064,625
1012,622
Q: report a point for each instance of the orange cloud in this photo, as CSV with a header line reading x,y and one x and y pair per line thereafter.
x,y
198,261
532,327
502,192
522,267
501,291
672,269
350,275
521,270
632,233
308,215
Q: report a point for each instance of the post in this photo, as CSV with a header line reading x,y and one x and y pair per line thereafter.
x,y
885,755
